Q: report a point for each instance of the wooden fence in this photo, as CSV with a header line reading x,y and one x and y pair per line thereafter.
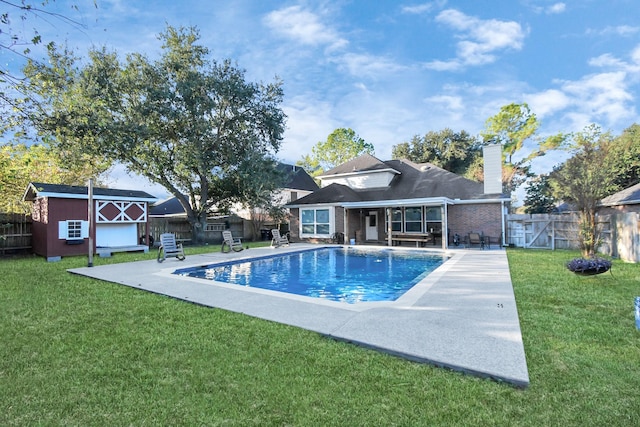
x,y
619,233
15,233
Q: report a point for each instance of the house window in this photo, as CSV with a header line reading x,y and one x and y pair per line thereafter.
x,y
413,220
433,219
214,227
315,222
396,220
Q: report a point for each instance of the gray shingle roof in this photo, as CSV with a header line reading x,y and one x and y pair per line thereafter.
x,y
62,190
365,162
299,179
414,181
630,195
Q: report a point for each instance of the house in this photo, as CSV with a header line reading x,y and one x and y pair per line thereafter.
x,y
627,200
169,215
61,226
396,201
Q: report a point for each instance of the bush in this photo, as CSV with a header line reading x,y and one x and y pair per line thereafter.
x,y
589,266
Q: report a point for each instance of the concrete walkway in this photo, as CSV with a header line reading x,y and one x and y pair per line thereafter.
x,y
463,316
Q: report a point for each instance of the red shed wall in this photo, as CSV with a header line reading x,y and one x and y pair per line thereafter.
x,y
47,212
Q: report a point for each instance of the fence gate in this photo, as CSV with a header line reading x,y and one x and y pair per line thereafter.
x,y
542,231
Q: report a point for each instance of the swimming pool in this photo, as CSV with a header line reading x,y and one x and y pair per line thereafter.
x,y
338,274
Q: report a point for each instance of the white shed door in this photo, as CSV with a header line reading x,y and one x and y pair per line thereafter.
x,y
113,235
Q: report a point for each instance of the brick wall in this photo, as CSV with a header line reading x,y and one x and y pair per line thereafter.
x,y
480,218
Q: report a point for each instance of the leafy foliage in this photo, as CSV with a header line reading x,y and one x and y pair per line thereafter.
x,y
21,164
586,178
453,151
17,41
539,197
342,145
625,157
512,126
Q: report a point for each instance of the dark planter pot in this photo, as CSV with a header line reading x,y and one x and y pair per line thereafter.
x,y
589,267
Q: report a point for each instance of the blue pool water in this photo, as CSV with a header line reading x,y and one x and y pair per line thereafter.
x,y
339,274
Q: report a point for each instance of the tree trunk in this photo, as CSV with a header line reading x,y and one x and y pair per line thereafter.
x,y
198,230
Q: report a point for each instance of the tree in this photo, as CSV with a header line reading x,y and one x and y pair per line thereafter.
x,y
17,42
539,198
512,126
192,125
584,179
453,151
625,154
21,164
341,146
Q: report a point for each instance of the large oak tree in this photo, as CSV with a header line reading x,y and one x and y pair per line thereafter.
x,y
196,126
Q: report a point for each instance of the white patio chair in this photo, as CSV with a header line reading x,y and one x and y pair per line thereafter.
x,y
169,248
278,240
230,242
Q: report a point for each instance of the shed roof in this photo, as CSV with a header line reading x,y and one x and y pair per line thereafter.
x,y
40,189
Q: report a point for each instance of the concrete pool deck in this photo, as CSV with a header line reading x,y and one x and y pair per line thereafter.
x,y
463,316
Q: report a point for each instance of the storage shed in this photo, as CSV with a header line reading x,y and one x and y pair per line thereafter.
x,y
60,215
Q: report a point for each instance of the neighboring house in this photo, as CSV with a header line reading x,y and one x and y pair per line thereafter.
x,y
393,201
171,212
627,200
60,215
299,184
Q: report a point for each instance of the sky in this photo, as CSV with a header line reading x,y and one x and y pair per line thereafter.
x,y
393,69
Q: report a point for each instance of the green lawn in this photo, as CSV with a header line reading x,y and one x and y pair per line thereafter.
x,y
77,351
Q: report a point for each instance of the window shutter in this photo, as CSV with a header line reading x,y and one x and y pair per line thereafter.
x,y
63,230
84,229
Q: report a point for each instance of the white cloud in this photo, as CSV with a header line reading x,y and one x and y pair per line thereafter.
x,y
553,9
304,27
604,95
480,39
556,8
308,121
447,102
367,65
547,102
424,7
619,30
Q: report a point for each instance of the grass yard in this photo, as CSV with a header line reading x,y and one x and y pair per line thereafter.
x,y
77,351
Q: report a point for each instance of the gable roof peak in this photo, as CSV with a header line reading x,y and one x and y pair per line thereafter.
x,y
363,163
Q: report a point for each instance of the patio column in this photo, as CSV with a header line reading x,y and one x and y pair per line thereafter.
x,y
346,226
445,225
389,239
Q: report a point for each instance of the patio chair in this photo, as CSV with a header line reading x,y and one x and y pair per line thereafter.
x,y
475,239
277,239
230,242
169,248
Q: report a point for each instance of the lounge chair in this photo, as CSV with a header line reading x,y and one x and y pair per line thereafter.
x,y
475,239
169,248
277,239
230,242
